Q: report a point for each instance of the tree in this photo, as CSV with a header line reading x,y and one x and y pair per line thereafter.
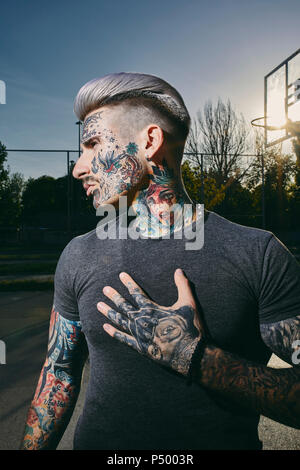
x,y
11,190
296,147
11,200
223,135
39,195
279,171
45,203
4,172
294,199
213,194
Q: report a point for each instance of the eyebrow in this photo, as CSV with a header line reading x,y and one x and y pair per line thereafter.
x,y
87,142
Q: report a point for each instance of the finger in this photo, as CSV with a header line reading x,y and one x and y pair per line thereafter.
x,y
134,289
185,295
115,317
123,337
120,302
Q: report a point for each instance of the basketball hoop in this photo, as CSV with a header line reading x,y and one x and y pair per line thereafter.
x,y
255,123
281,102
292,127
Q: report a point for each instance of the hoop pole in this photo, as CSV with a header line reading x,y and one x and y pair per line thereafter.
x,y
263,192
202,180
265,109
286,107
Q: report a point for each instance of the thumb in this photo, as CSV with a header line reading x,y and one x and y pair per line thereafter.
x,y
185,295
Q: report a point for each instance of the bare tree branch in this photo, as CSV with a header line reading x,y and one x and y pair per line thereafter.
x,y
222,134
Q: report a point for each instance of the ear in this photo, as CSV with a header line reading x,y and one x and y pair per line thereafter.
x,y
154,139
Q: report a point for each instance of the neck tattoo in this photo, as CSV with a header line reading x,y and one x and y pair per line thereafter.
x,y
159,206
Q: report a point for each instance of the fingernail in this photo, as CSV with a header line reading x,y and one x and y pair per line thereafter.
x,y
179,271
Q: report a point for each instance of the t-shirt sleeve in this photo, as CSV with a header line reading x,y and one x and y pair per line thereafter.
x,y
65,301
280,284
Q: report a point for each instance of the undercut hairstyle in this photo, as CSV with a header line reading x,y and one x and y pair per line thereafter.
x,y
141,99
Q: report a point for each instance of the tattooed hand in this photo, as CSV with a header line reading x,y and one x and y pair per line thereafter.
x,y
168,335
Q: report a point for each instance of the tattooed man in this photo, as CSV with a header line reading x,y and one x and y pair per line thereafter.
x,y
234,301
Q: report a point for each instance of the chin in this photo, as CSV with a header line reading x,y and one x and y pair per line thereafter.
x,y
113,200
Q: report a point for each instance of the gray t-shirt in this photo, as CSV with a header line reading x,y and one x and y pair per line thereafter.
x,y
242,276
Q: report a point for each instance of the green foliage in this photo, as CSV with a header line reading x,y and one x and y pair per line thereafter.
x,y
40,194
213,194
281,189
4,172
11,189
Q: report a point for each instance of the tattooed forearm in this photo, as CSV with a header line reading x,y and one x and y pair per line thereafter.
x,y
281,337
274,393
170,336
58,385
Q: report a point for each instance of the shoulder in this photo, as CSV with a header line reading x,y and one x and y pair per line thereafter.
x,y
236,235
81,243
76,251
88,237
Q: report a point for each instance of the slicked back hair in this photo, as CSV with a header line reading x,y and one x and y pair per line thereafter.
x,y
146,99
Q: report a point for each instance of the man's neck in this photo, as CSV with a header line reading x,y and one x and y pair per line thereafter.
x,y
159,206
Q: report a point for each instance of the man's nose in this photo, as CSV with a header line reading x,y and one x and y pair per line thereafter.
x,y
82,167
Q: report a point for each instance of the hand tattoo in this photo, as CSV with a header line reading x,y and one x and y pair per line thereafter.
x,y
166,334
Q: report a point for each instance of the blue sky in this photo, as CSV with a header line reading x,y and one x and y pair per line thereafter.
x,y
206,49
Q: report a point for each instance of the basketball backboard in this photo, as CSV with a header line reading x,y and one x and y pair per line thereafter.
x,y
282,99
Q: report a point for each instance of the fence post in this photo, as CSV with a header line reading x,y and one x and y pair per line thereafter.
x,y
202,179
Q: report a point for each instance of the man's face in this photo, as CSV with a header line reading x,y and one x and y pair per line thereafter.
x,y
110,164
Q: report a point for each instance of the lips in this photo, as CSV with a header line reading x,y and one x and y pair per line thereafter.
x,y
88,188
96,198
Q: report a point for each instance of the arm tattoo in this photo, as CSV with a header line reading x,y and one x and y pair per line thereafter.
x,y
58,385
274,393
281,337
